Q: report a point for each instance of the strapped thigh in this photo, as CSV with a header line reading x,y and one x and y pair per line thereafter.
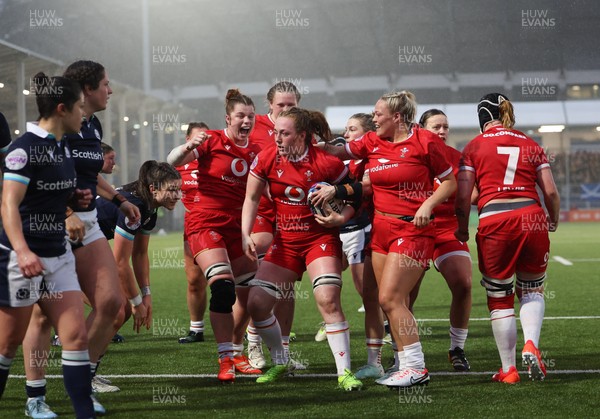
x,y
498,287
268,287
244,280
327,279
220,268
531,283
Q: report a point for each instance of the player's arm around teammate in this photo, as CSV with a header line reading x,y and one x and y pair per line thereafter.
x,y
402,236
360,258
281,97
355,237
224,157
300,243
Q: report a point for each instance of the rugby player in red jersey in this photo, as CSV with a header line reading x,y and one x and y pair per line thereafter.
x,y
512,236
301,243
280,97
196,288
355,236
403,162
450,256
224,158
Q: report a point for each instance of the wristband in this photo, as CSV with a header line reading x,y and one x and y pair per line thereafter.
x,y
146,291
343,191
349,191
69,212
136,301
118,199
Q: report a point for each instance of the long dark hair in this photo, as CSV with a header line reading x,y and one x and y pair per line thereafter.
x,y
151,173
86,73
52,91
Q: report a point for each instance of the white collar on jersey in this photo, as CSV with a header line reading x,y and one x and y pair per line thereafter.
x,y
34,128
233,141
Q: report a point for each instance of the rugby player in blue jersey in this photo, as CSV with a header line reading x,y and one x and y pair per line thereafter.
x,y
36,262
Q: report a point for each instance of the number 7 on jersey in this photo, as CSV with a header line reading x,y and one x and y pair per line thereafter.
x,y
511,167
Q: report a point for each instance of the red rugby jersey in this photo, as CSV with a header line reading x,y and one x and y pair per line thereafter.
x,y
402,174
446,208
223,171
505,163
189,184
263,132
289,182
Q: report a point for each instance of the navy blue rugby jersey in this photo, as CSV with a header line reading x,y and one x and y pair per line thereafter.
x,y
358,222
112,220
37,160
87,154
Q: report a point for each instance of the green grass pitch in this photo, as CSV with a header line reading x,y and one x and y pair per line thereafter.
x,y
569,346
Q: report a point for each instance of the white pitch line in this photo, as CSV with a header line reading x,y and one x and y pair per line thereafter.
x,y
550,372
434,373
562,260
593,260
487,319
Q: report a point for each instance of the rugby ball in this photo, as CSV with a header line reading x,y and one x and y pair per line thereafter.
x,y
333,204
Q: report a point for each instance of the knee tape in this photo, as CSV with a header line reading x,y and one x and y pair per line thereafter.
x,y
221,268
268,287
531,284
222,296
497,288
244,279
327,279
